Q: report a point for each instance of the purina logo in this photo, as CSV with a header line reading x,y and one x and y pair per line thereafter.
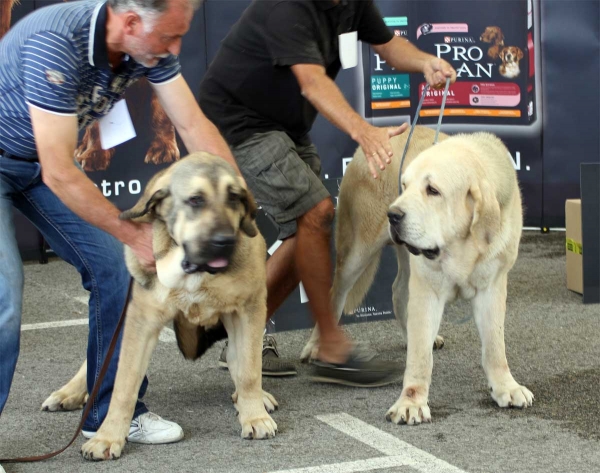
x,y
459,39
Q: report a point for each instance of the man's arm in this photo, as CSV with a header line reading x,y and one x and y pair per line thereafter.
x,y
404,56
327,98
197,132
56,139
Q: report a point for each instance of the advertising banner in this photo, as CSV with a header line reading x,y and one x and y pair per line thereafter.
x,y
495,47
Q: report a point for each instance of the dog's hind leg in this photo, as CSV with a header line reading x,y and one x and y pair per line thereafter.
x,y
400,294
71,396
400,288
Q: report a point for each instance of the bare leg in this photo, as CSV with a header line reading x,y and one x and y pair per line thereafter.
x,y
282,277
313,262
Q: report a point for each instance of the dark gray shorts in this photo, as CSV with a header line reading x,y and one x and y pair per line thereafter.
x,y
283,177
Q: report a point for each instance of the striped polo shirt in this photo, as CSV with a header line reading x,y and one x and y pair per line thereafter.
x,y
56,59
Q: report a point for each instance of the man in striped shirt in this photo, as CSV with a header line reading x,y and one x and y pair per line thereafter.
x,y
61,68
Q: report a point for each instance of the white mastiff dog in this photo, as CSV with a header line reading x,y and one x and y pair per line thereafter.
x,y
460,218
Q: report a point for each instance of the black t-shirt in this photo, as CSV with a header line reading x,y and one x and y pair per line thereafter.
x,y
250,88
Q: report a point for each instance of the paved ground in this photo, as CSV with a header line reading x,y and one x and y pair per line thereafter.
x,y
552,344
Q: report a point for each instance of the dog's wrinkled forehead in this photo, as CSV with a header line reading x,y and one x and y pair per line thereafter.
x,y
442,164
201,173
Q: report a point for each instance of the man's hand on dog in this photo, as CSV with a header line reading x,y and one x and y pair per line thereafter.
x,y
375,143
142,246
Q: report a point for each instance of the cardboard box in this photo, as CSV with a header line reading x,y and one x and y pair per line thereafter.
x,y
573,245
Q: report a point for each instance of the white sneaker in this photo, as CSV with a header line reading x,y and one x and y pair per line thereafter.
x,y
149,428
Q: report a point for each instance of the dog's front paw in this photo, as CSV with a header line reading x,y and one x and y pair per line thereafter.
x,y
410,409
438,343
513,395
102,448
258,427
163,149
62,400
94,159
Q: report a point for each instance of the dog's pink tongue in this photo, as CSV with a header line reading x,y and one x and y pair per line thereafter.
x,y
218,263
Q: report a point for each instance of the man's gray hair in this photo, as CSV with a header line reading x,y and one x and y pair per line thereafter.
x,y
148,10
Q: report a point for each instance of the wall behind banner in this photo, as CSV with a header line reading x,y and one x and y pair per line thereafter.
x,y
568,64
571,83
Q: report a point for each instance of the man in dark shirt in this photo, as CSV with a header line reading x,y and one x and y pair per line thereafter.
x,y
273,73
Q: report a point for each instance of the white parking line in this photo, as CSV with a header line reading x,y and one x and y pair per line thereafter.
x,y
167,335
83,299
60,323
379,463
398,453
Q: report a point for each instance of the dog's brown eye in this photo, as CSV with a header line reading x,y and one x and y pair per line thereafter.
x,y
196,201
432,191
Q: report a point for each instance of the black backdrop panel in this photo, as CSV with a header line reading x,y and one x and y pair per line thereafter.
x,y
569,108
571,61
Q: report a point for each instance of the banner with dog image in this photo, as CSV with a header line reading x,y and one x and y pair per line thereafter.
x,y
495,47
490,46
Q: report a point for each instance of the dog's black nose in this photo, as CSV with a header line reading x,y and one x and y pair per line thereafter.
x,y
222,240
395,217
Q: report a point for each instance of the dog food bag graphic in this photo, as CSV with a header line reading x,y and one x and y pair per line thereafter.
x,y
386,91
490,46
530,61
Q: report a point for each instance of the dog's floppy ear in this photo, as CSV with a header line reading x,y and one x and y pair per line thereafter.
x,y
486,213
519,54
156,190
501,54
248,223
499,35
143,211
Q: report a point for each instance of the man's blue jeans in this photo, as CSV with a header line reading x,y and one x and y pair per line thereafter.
x,y
97,256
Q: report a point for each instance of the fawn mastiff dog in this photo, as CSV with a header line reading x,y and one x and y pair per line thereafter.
x,y
210,261
456,229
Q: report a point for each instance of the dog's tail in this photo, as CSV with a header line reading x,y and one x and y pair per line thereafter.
x,y
362,285
194,340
